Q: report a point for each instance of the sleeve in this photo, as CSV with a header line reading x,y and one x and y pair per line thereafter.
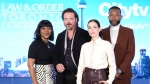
x,y
33,50
81,66
111,64
55,58
130,53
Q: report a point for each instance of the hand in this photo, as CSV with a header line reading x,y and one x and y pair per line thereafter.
x,y
76,75
103,82
60,68
117,74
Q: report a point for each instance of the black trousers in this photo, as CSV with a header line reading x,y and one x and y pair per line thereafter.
x,y
69,76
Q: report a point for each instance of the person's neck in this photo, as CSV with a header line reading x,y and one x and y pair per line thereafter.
x,y
95,38
45,40
115,25
71,30
70,33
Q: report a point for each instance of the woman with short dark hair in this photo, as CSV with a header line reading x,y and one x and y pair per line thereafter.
x,y
40,53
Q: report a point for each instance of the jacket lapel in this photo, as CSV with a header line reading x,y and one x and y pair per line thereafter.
x,y
120,35
108,34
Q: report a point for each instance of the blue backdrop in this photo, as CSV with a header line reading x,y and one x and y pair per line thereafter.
x,y
19,20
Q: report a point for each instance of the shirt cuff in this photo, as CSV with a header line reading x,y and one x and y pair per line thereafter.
x,y
109,81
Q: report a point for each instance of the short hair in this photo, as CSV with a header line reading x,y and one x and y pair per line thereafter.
x,y
70,10
96,21
43,23
115,7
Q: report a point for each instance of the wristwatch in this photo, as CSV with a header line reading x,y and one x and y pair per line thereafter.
x,y
119,70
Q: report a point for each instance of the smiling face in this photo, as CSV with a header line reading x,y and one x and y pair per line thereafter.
x,y
93,29
45,32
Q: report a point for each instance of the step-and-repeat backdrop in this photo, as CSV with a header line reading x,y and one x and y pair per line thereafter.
x,y
19,20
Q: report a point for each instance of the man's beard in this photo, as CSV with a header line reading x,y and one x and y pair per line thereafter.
x,y
70,27
114,24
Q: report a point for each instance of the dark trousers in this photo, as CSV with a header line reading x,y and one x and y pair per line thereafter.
x,y
122,81
69,76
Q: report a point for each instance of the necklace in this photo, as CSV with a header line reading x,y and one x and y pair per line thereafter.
x,y
47,43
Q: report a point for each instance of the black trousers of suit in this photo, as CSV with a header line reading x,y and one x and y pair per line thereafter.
x,y
69,76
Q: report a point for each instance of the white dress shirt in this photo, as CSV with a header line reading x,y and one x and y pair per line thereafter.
x,y
114,34
99,58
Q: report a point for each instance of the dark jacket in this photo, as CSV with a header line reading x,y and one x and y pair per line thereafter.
x,y
81,36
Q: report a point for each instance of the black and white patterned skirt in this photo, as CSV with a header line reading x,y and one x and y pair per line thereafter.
x,y
44,74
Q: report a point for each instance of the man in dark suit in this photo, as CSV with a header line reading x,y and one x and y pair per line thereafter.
x,y
122,40
68,45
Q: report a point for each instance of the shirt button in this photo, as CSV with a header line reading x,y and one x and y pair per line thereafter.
x,y
67,62
68,48
67,55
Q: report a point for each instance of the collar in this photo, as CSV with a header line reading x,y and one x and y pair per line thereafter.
x,y
96,42
115,27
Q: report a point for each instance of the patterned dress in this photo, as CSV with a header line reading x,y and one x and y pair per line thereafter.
x,y
44,73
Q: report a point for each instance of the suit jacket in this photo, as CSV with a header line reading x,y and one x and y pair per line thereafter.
x,y
124,49
81,36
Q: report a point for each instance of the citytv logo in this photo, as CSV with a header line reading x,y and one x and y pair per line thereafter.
x,y
127,11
